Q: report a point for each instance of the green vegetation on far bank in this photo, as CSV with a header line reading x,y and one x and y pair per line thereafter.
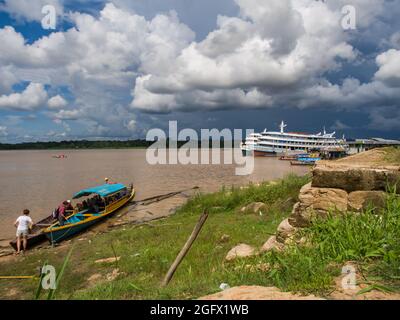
x,y
79,144
371,240
100,144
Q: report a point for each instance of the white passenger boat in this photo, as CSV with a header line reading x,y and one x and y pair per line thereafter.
x,y
271,143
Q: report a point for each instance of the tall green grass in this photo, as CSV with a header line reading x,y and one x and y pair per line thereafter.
x,y
273,194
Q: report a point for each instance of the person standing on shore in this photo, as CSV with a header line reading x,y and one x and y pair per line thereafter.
x,y
23,224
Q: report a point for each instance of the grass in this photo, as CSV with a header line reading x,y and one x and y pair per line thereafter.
x,y
147,251
369,239
392,155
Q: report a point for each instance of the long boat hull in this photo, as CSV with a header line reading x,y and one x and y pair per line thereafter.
x,y
302,163
58,233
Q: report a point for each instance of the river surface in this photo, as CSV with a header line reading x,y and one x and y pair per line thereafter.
x,y
39,182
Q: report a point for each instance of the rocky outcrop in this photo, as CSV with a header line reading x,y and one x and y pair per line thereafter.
x,y
240,251
356,174
348,185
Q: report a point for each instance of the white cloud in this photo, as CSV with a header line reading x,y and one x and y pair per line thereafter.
x,y
275,45
34,96
57,102
389,67
67,114
3,131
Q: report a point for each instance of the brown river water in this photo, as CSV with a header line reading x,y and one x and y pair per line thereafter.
x,y
37,181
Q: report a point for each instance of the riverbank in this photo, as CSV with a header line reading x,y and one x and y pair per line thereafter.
x,y
146,251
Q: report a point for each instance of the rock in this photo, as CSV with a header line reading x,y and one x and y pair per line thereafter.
x,y
323,199
108,260
285,230
317,202
224,286
271,244
94,278
256,293
113,275
354,178
301,217
361,200
224,238
240,251
255,207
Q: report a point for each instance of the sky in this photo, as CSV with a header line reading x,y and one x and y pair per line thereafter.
x,y
116,69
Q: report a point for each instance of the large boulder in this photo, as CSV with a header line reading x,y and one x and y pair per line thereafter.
x,y
240,251
351,177
361,200
317,202
323,199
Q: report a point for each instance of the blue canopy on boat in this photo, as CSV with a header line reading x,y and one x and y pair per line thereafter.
x,y
103,191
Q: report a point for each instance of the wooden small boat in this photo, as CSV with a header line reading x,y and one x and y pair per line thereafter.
x,y
288,158
113,197
304,161
301,163
36,235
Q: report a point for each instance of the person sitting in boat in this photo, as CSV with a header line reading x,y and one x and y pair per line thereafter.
x,y
69,206
23,224
62,213
99,201
85,205
79,207
93,205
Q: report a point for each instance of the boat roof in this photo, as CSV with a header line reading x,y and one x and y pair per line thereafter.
x,y
103,190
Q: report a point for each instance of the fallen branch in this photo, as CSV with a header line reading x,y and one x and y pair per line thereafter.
x,y
185,249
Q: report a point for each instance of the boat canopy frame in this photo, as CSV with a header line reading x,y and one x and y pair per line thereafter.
x,y
103,190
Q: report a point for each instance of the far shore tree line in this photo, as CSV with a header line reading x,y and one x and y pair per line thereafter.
x,y
88,144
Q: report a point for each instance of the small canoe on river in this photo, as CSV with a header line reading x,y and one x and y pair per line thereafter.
x,y
106,199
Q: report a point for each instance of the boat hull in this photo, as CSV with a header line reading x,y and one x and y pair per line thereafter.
x,y
63,234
